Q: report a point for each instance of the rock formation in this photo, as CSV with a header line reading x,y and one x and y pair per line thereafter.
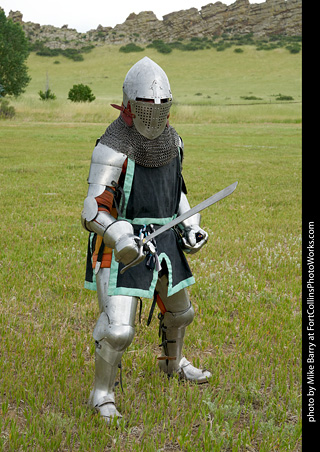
x,y
273,17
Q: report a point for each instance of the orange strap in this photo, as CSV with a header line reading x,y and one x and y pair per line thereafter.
x,y
105,201
105,204
161,305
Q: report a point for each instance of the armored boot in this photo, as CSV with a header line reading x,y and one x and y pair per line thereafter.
x,y
106,367
176,314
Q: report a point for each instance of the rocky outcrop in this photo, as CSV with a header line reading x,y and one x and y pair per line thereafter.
x,y
273,17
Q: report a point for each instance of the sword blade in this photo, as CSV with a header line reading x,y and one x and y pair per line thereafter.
x,y
196,209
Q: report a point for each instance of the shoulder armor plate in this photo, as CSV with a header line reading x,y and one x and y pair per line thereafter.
x,y
106,165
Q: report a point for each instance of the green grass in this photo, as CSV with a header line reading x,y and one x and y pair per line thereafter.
x,y
248,277
223,79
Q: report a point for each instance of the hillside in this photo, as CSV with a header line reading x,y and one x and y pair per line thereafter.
x,y
204,78
273,17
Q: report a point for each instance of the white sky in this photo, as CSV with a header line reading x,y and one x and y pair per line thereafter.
x,y
87,15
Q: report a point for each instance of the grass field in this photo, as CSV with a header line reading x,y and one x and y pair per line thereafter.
x,y
247,294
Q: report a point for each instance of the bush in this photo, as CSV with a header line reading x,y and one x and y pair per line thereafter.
x,y
293,48
6,110
250,98
176,45
160,46
132,47
47,95
73,54
284,97
81,93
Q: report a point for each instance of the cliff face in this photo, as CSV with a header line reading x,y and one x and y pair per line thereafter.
x,y
280,17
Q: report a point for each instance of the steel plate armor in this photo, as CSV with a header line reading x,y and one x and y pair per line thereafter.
x,y
136,185
147,81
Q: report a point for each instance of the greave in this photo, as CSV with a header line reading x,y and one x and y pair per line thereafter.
x,y
172,343
113,333
172,361
106,368
177,313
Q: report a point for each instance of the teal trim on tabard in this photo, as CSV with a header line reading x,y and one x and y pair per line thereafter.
x,y
90,285
131,292
146,221
113,276
135,292
127,186
147,293
183,284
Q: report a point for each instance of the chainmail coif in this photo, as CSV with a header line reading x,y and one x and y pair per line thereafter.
x,y
149,153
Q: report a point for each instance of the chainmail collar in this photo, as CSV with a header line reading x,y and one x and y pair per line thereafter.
x,y
148,153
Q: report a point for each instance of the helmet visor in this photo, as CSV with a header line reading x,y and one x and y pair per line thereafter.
x,y
150,119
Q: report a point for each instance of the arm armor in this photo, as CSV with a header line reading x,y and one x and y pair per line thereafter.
x,y
106,166
184,206
193,237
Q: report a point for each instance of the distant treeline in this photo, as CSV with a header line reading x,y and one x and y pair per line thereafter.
x,y
220,43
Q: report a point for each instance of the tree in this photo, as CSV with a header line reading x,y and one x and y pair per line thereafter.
x,y
47,94
14,50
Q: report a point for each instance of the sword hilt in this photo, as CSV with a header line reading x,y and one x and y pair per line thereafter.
x,y
199,237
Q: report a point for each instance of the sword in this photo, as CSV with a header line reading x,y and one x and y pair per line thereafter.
x,y
189,213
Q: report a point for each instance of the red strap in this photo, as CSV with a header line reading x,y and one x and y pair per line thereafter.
x,y
126,114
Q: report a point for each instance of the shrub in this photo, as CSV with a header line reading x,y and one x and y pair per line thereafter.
x,y
160,46
81,93
47,95
293,48
131,48
6,111
283,97
250,98
193,46
176,45
73,54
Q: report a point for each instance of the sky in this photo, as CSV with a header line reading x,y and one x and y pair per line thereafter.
x,y
87,15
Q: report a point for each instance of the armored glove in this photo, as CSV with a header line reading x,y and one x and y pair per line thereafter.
x,y
193,238
120,236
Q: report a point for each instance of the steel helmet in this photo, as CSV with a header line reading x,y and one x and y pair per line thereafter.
x,y
146,89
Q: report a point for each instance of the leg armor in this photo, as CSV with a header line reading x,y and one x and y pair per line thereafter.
x,y
113,333
177,313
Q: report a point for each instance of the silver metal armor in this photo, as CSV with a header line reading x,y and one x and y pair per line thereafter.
x,y
115,328
179,314
146,81
113,333
105,169
193,237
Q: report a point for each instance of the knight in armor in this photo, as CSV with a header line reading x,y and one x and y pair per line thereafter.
x,y
136,186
